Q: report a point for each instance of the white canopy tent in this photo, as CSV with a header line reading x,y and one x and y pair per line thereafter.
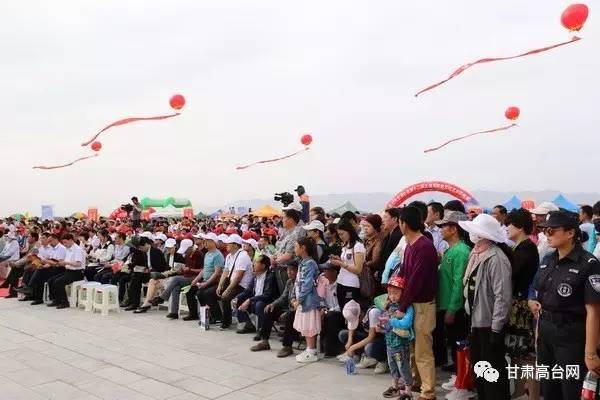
x,y
167,212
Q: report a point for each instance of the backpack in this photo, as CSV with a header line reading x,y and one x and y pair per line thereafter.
x,y
322,284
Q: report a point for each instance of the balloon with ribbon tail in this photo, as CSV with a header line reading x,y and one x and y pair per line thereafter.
x,y
573,18
512,113
65,165
96,146
176,102
306,140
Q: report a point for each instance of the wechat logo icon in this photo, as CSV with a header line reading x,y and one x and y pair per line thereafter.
x,y
483,369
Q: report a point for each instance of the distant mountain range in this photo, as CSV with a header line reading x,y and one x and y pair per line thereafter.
x,y
374,202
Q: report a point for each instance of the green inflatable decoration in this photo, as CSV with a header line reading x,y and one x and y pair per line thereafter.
x,y
148,202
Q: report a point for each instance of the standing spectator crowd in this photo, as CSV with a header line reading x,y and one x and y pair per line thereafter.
x,y
404,293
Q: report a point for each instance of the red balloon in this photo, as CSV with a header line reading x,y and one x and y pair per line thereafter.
x,y
574,17
306,139
177,102
512,113
96,146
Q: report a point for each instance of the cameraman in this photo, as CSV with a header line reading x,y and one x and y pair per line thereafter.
x,y
284,254
304,202
136,213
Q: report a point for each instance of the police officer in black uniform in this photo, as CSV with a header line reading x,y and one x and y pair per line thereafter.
x,y
567,303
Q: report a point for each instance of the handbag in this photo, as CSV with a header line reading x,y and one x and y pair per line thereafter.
x,y
464,370
227,280
367,281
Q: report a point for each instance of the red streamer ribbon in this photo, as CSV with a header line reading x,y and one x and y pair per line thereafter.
x,y
65,165
272,160
128,121
463,68
503,128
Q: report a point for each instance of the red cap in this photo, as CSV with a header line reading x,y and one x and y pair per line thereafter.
x,y
247,235
397,281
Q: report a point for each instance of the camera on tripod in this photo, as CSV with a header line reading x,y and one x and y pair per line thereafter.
x,y
127,207
286,198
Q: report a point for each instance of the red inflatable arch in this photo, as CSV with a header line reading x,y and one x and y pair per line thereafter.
x,y
433,186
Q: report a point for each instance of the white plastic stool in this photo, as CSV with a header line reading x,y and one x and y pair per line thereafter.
x,y
106,298
183,305
143,294
46,296
253,319
73,297
85,296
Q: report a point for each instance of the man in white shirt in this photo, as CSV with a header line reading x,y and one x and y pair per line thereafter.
x,y
44,252
540,213
237,276
51,267
18,268
74,263
11,252
435,212
501,214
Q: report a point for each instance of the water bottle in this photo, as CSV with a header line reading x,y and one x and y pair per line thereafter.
x,y
590,387
350,366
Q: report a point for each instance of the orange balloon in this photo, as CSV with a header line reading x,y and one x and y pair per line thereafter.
x,y
574,17
512,113
96,146
177,102
306,139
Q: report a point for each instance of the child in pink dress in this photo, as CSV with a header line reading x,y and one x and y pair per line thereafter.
x,y
308,317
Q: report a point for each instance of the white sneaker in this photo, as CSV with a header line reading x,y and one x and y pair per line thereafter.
x,y
382,368
307,357
460,394
343,358
366,362
450,384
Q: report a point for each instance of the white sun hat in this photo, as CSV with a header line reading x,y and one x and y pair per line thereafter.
x,y
485,226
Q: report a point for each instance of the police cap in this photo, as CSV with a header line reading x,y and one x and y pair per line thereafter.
x,y
561,219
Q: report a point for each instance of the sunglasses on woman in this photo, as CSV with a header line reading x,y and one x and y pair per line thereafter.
x,y
552,231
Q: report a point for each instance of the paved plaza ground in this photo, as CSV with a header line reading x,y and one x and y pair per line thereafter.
x,y
72,354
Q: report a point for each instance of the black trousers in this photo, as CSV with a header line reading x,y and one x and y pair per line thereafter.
x,y
104,276
60,281
257,308
13,276
562,344
333,324
193,303
347,293
226,311
90,273
40,277
445,336
196,296
289,333
135,287
121,279
208,297
483,350
27,274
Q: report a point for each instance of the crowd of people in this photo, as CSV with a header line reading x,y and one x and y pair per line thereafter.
x,y
400,292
